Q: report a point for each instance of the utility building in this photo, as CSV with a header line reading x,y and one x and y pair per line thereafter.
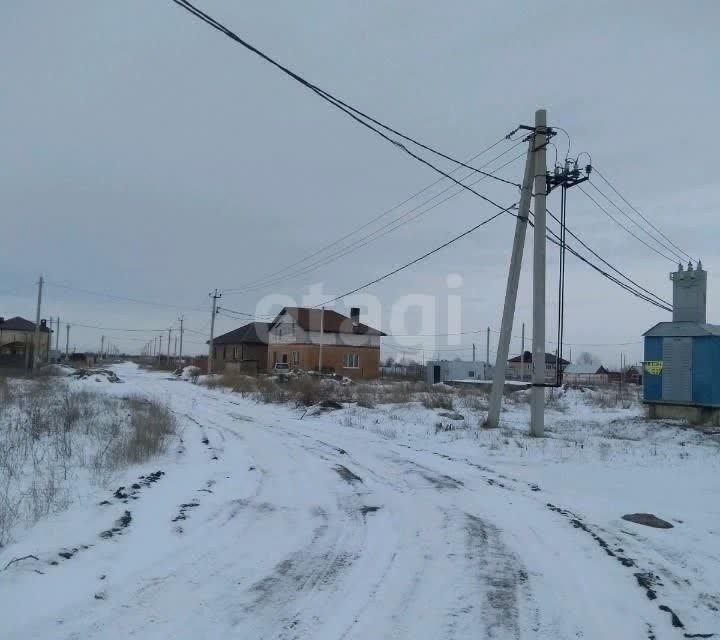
x,y
456,370
681,377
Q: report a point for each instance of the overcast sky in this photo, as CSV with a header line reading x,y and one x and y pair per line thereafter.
x,y
145,155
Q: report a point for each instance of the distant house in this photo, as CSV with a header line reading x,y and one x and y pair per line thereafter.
x,y
586,373
520,367
349,347
17,340
244,349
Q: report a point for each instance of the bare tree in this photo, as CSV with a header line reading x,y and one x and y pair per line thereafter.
x,y
588,358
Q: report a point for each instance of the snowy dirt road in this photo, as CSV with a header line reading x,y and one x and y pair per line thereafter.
x,y
265,526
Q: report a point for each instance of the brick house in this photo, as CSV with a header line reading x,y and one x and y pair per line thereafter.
x,y
17,341
520,367
243,349
349,347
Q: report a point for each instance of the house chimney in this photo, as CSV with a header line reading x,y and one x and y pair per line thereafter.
x,y
355,314
689,294
43,323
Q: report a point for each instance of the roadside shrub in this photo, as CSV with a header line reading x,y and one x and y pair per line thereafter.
x,y
305,391
241,384
397,393
437,400
269,391
473,400
53,438
150,424
365,396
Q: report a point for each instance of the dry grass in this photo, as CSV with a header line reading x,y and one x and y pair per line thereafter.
x,y
150,425
52,438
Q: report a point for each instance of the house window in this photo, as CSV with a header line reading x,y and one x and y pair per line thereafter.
x,y
471,374
296,358
351,360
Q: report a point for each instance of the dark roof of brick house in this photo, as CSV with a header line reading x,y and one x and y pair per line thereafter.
x,y
20,324
550,358
333,322
253,333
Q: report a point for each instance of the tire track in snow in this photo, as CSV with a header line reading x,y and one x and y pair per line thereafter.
x,y
501,577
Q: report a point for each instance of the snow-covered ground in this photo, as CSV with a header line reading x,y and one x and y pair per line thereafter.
x,y
387,522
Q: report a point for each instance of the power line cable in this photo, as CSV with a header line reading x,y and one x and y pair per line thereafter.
x,y
359,116
620,224
93,326
622,197
606,263
271,278
555,239
636,223
384,230
112,296
420,258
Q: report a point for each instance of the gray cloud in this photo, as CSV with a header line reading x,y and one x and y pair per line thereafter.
x,y
147,156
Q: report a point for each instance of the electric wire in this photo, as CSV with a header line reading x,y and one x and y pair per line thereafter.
x,y
112,296
620,224
420,258
375,235
608,264
272,276
359,116
637,224
622,197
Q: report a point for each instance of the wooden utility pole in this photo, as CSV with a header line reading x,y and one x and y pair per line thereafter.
x,y
168,347
487,346
215,296
102,346
67,341
57,337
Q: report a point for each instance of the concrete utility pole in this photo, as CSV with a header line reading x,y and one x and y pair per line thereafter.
x,y
487,346
503,350
322,327
537,397
67,341
36,347
57,337
522,353
215,295
473,352
102,346
182,320
168,347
